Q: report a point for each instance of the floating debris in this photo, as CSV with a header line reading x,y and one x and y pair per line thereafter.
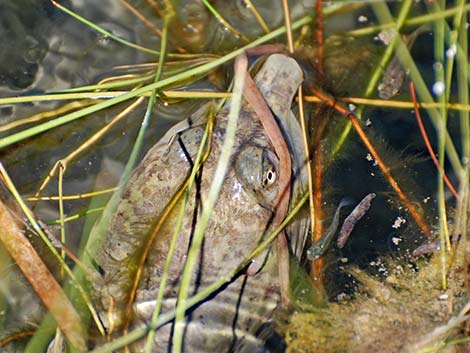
x,y
352,219
394,74
430,247
398,222
362,19
318,249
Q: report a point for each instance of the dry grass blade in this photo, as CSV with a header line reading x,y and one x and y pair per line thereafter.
x,y
390,103
41,279
263,112
46,115
290,40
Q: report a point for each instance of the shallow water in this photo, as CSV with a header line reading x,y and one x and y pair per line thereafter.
x,y
58,53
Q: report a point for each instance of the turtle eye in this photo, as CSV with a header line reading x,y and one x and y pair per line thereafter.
x,y
269,177
257,171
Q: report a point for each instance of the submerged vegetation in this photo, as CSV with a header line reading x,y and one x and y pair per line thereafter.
x,y
68,152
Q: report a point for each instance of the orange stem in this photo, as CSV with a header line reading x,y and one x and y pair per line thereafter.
x,y
265,115
428,143
317,265
16,337
41,279
355,122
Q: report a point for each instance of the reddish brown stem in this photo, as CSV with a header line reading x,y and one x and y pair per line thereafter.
x,y
41,279
428,143
262,110
317,265
394,184
16,337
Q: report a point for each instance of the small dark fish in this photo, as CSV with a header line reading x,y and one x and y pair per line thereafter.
x,y
394,75
351,220
318,249
430,247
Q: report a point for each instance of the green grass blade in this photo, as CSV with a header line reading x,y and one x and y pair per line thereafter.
x,y
214,191
223,21
439,49
410,22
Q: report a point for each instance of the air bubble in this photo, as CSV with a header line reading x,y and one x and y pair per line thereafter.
x,y
362,19
438,88
437,66
450,53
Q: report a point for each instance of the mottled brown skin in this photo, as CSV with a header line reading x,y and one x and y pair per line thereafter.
x,y
235,319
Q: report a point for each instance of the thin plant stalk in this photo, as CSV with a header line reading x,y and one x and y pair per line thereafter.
x,y
72,197
96,96
410,22
453,41
394,104
439,48
138,145
287,21
390,103
211,199
43,115
74,217
15,337
428,143
141,17
463,93
308,159
223,21
317,265
319,36
61,209
257,15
